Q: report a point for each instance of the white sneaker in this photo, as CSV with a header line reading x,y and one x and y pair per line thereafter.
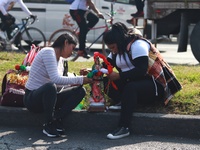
x,y
13,47
119,133
2,35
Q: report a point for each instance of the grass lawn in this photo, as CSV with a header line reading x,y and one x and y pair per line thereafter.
x,y
186,101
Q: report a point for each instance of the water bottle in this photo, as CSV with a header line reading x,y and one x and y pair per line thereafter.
x,y
14,32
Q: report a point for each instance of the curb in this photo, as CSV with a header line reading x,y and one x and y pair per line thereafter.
x,y
142,123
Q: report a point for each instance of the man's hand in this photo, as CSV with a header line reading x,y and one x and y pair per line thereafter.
x,y
100,15
33,17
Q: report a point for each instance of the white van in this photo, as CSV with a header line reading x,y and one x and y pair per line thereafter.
x,y
53,14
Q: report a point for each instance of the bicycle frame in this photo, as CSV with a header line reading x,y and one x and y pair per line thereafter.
x,y
106,26
24,36
75,31
22,27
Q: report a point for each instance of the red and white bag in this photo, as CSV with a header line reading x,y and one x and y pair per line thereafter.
x,y
31,55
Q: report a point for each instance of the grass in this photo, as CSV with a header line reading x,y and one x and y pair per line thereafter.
x,y
186,101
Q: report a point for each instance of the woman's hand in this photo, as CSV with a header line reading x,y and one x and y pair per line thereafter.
x,y
84,71
113,76
87,80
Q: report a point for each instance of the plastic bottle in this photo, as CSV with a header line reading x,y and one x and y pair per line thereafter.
x,y
14,32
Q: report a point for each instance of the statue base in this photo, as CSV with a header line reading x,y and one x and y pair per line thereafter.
x,y
97,107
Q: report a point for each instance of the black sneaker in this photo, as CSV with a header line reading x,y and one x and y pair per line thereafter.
x,y
138,14
83,54
50,130
59,126
130,21
119,133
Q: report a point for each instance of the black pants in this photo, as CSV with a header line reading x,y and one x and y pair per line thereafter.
x,y
6,23
54,105
85,24
133,93
139,4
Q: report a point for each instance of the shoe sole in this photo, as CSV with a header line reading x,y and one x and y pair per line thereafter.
x,y
61,133
60,130
110,136
49,135
114,108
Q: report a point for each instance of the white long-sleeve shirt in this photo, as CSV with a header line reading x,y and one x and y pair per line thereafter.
x,y
44,69
79,4
4,4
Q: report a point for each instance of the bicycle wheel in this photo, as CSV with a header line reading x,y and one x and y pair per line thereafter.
x,y
31,36
58,32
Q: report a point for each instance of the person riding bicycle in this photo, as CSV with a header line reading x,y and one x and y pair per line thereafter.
x,y
86,19
7,20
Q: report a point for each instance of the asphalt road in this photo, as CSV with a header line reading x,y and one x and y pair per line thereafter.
x,y
32,138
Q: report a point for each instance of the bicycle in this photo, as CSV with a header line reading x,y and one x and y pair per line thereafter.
x,y
75,32
23,36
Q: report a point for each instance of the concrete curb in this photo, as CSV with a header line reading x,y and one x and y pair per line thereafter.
x,y
142,123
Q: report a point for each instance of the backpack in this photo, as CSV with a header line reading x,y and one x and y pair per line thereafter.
x,y
13,88
13,84
69,1
160,70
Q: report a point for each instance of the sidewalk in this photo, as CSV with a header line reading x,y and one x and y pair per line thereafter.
x,y
142,123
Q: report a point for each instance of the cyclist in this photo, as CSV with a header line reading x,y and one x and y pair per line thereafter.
x,y
79,10
7,20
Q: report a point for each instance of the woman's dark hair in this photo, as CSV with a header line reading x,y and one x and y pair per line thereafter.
x,y
118,34
60,41
121,35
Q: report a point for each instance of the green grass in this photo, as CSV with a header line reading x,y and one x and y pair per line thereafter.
x,y
186,101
